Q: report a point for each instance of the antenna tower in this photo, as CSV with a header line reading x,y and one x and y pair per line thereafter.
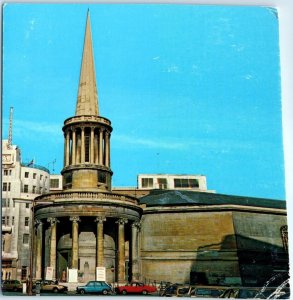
x,y
10,128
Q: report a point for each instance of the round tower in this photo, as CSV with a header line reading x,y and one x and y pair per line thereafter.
x,y
87,135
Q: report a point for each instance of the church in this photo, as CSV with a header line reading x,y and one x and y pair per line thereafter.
x,y
165,235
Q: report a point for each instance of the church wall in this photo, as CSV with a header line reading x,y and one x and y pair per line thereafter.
x,y
260,247
178,245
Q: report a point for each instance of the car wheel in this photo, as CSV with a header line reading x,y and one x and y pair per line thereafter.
x,y
124,292
82,292
105,292
55,290
144,292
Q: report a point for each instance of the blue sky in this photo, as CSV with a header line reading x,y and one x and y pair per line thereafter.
x,y
189,89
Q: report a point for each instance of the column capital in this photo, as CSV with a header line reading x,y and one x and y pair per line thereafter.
x,y
74,219
122,221
100,219
136,224
38,222
53,221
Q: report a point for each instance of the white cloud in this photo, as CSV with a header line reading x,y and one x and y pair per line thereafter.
x,y
31,28
33,130
149,143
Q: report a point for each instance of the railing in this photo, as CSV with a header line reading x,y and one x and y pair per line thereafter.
x,y
32,165
85,196
87,118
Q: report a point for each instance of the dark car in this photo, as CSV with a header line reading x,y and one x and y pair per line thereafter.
x,y
11,285
95,287
170,290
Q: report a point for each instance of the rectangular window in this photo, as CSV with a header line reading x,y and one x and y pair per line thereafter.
x,y
54,183
26,219
34,175
185,183
4,187
25,238
7,220
23,272
25,188
147,182
41,176
12,221
4,202
27,205
34,189
9,186
5,172
3,220
162,182
102,177
26,174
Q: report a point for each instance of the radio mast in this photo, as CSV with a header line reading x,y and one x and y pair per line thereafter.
x,y
10,128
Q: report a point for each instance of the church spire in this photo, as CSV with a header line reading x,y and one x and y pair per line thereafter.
x,y
87,99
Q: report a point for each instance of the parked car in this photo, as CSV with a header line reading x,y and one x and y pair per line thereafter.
x,y
170,290
50,286
95,287
256,292
206,291
11,285
199,291
136,288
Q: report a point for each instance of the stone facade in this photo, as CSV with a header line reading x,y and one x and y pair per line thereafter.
x,y
21,183
211,241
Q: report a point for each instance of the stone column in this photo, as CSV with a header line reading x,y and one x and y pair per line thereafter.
x,y
107,149
74,255
35,250
53,244
92,157
73,147
67,147
100,241
39,249
82,146
135,227
78,149
64,162
101,147
96,150
121,249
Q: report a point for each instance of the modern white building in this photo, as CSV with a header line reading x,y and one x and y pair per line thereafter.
x,y
21,183
148,182
56,182
196,183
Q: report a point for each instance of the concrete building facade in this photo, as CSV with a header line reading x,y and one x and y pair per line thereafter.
x,y
21,183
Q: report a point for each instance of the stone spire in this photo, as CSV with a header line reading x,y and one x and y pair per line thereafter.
x,y
87,98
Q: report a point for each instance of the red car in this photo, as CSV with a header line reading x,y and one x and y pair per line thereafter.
x,y
136,288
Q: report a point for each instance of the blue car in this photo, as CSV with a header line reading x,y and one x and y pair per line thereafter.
x,y
95,287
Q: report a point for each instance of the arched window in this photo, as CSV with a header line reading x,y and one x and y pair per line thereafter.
x,y
284,236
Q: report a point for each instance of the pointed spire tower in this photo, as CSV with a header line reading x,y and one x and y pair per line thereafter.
x,y
87,135
87,99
